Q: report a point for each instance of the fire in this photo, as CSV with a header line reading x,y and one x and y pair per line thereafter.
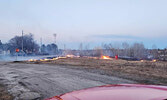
x,y
55,58
31,60
46,59
142,60
70,56
154,60
61,57
105,57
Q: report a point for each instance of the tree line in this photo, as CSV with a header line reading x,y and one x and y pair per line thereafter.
x,y
124,50
30,46
136,50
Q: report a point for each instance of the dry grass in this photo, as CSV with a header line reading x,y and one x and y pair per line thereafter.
x,y
146,72
4,95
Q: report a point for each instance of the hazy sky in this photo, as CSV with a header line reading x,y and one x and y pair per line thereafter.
x,y
90,22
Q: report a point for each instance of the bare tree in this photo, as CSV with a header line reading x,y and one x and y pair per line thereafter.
x,y
108,49
98,52
86,51
116,50
154,51
81,50
126,49
138,50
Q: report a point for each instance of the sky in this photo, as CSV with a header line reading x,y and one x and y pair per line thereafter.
x,y
90,22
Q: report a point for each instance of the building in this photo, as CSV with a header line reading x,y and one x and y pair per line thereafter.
x,y
162,54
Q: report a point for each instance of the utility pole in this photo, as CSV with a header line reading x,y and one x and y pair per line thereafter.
x,y
22,43
64,50
55,35
41,44
64,47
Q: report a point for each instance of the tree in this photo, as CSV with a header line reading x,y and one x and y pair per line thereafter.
x,y
138,50
49,49
86,51
154,51
116,50
81,50
30,46
126,49
52,48
98,52
0,42
43,49
1,45
108,49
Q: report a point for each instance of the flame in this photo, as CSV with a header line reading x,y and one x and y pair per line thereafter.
x,y
105,57
70,56
31,60
46,59
142,60
55,58
61,57
41,60
154,60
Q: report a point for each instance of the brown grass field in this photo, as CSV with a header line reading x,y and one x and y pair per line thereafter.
x,y
4,95
144,72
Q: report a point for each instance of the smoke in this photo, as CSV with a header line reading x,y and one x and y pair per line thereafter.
x,y
19,58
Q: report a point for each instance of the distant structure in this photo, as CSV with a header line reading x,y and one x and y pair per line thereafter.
x,y
55,35
162,54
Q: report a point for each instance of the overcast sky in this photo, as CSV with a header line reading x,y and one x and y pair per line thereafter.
x,y
90,22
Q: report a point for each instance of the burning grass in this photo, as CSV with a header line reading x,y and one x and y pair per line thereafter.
x,y
105,57
149,72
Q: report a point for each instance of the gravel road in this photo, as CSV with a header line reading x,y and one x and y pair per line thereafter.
x,y
40,81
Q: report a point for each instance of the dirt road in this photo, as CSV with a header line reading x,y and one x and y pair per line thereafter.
x,y
39,81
